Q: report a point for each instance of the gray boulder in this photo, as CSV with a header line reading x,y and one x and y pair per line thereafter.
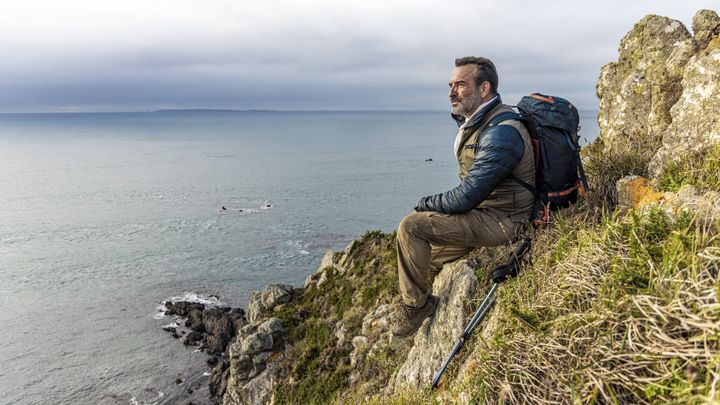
x,y
256,343
455,284
695,123
273,327
264,301
637,92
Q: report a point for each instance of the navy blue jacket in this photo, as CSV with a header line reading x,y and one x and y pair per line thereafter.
x,y
500,149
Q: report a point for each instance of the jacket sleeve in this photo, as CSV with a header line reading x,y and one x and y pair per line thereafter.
x,y
500,150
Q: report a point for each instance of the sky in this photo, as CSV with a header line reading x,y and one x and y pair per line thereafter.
x,y
141,55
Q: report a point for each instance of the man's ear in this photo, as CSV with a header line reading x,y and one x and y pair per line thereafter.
x,y
485,89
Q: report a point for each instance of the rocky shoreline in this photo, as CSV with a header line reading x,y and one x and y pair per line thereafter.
x,y
238,349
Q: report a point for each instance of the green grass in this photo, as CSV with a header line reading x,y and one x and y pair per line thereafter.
x,y
318,367
701,171
616,306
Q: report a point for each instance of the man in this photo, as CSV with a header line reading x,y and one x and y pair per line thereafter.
x,y
487,208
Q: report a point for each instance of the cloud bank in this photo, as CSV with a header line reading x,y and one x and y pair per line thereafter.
x,y
141,55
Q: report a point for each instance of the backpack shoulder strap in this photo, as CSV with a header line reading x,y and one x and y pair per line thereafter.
x,y
496,120
504,116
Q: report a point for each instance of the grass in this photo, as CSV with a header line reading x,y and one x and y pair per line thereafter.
x,y
615,306
701,171
630,316
318,370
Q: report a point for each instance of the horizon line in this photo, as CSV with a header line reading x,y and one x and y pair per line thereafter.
x,y
232,110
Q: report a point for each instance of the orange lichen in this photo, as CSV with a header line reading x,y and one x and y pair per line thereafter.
x,y
640,192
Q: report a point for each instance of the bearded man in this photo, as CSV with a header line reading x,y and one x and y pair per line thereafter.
x,y
487,208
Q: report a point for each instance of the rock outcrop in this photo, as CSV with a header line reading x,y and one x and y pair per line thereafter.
x,y
250,372
664,90
637,92
455,284
695,117
267,299
331,340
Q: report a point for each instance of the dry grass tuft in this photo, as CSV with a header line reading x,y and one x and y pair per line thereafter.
x,y
626,311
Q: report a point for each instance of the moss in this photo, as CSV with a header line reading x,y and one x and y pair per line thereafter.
x,y
318,365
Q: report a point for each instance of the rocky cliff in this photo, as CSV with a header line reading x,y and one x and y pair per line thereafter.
x,y
620,302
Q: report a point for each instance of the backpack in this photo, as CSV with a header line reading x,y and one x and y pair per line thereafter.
x,y
553,126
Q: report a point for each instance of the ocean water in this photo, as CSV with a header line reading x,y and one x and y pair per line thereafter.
x,y
103,216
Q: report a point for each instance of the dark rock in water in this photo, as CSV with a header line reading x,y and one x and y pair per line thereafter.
x,y
219,379
237,313
193,339
182,308
428,160
220,330
195,320
213,330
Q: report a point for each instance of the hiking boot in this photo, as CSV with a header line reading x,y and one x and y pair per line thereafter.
x,y
408,319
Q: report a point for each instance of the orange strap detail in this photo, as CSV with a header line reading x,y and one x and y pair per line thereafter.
x,y
581,188
578,186
541,98
544,217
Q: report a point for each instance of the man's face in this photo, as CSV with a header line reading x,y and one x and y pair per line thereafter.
x,y
465,95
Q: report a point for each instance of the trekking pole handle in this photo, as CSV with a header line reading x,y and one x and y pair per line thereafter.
x,y
521,249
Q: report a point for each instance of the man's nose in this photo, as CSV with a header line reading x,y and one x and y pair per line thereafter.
x,y
452,92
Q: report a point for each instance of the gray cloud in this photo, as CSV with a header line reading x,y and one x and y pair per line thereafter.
x,y
104,55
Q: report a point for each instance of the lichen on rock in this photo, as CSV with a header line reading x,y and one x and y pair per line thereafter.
x,y
695,125
637,92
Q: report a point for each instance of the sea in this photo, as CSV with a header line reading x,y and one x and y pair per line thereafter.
x,y
103,216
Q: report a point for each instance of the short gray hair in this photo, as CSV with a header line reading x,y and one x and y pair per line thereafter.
x,y
484,70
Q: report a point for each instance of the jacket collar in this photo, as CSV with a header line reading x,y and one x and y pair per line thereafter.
x,y
477,116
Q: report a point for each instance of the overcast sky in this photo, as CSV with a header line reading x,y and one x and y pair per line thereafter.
x,y
132,55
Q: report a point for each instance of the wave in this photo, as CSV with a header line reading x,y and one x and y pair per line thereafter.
x,y
211,301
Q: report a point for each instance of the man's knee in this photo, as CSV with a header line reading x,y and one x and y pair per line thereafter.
x,y
412,224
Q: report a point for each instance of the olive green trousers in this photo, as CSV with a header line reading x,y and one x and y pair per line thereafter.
x,y
428,240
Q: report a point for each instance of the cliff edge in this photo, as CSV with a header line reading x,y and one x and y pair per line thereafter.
x,y
620,302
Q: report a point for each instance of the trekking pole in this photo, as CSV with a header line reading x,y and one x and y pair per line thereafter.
x,y
500,274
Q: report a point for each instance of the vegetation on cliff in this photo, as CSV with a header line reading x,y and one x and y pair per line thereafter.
x,y
617,305
620,301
